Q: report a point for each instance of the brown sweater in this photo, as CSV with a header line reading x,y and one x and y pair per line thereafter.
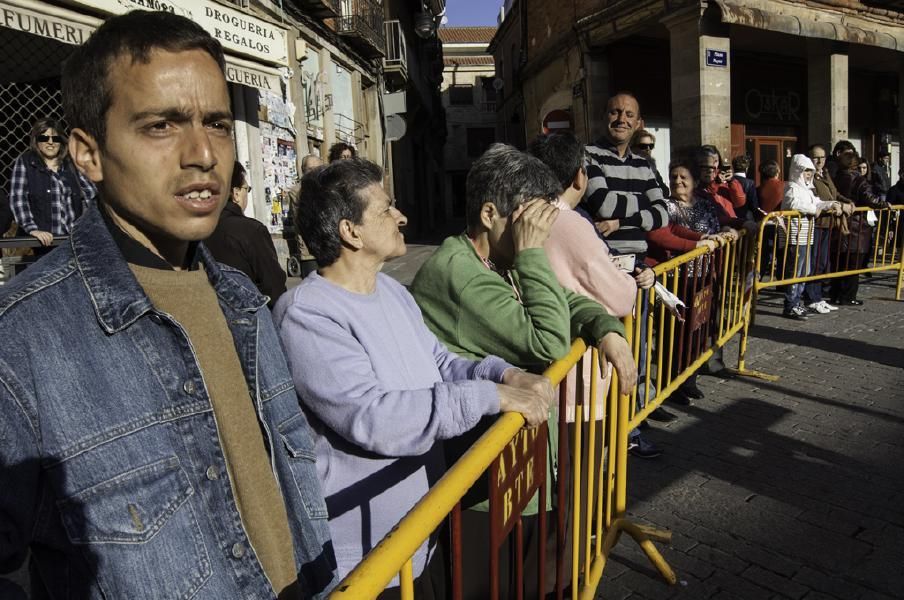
x,y
190,299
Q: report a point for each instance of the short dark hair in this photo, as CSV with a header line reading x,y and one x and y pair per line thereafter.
x,y
704,152
849,160
238,176
740,163
338,148
328,195
87,94
42,125
769,169
561,152
507,177
683,164
843,146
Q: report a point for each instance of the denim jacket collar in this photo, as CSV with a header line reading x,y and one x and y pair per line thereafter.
x,y
117,296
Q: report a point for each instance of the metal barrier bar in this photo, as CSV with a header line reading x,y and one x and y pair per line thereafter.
x,y
597,520
883,242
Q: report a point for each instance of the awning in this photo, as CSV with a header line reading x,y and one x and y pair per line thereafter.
x,y
803,20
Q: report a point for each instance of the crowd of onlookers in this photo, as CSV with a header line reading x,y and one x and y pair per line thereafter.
x,y
164,433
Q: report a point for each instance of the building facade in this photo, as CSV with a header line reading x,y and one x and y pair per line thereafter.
x,y
761,77
303,74
469,92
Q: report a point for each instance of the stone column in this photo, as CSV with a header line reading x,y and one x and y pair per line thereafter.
x,y
827,93
701,94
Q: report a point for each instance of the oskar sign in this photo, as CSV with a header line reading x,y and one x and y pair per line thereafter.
x,y
515,476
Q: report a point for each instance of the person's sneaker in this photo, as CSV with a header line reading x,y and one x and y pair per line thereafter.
x,y
828,306
643,448
819,307
798,313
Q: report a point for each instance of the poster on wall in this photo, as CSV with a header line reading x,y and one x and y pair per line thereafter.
x,y
278,154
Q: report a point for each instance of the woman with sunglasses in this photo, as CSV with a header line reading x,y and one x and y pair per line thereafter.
x,y
47,194
643,145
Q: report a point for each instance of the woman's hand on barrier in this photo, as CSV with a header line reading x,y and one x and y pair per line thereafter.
x,y
529,381
615,349
730,234
531,223
45,237
644,277
707,243
532,401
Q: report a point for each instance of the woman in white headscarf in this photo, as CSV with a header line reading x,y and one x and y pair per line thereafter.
x,y
795,239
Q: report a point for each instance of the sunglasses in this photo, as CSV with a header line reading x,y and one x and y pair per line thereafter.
x,y
56,139
646,146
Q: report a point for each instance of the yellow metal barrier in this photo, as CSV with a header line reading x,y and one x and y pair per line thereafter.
x,y
885,253
717,288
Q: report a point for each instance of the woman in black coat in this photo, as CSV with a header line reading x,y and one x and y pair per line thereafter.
x,y
245,243
852,250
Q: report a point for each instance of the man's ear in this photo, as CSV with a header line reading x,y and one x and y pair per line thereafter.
x,y
579,183
348,233
85,153
488,213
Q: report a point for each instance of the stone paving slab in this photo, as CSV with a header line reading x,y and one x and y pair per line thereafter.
x,y
786,489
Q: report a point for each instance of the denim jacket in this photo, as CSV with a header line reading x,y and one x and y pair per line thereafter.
x,y
111,471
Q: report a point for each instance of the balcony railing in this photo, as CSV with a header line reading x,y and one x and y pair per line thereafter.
x,y
362,23
395,63
323,9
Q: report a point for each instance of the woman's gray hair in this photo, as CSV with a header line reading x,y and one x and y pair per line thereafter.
x,y
507,177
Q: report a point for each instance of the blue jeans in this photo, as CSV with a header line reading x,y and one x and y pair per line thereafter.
x,y
819,261
641,362
796,268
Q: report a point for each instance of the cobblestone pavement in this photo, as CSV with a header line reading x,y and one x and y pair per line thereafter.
x,y
791,489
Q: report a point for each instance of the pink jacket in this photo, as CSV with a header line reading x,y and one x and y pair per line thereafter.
x,y
582,263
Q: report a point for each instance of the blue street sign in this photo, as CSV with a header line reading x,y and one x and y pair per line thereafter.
x,y
716,58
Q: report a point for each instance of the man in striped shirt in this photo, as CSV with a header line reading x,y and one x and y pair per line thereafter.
x,y
622,193
625,199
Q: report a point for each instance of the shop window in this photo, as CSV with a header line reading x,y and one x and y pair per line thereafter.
x,y
461,95
479,139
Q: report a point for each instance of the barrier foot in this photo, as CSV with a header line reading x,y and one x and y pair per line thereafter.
x,y
644,536
754,374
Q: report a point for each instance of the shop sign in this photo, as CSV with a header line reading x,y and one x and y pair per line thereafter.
x,y
237,31
716,58
245,74
55,27
772,105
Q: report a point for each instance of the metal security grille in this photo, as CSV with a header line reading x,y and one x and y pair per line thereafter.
x,y
29,90
21,104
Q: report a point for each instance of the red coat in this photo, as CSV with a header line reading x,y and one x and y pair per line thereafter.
x,y
771,193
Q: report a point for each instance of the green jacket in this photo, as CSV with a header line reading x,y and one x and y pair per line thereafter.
x,y
476,312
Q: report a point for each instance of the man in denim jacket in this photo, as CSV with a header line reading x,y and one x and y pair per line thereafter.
x,y
151,443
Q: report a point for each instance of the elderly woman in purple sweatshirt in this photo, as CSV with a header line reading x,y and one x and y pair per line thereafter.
x,y
379,388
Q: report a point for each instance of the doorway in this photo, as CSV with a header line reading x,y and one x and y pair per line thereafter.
x,y
761,149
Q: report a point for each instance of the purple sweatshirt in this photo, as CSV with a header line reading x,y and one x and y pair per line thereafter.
x,y
380,390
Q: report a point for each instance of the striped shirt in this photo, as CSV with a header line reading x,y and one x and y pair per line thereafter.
x,y
624,188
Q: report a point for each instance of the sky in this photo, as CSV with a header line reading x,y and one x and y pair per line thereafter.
x,y
472,12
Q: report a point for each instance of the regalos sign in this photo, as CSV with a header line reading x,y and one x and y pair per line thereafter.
x,y
240,33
